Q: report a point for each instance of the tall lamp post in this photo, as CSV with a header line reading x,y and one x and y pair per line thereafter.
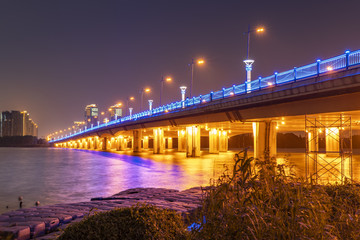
x,y
150,104
248,62
183,92
192,64
143,90
167,79
128,102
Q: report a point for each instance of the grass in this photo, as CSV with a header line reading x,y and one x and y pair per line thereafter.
x,y
257,200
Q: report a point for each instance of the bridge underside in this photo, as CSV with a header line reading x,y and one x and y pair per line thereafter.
x,y
325,153
325,110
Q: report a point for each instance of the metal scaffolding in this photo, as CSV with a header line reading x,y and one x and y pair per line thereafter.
x,y
328,149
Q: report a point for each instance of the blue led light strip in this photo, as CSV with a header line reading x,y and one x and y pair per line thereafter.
x,y
344,61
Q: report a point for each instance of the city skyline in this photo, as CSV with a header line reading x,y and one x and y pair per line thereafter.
x,y
59,57
17,123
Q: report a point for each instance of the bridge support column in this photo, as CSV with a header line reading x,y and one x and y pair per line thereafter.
x,y
313,140
92,143
159,140
136,140
264,139
193,141
87,143
96,143
332,141
112,143
182,141
169,143
120,143
146,142
213,141
104,144
223,141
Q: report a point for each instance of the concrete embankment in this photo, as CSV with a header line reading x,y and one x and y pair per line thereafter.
x,y
46,222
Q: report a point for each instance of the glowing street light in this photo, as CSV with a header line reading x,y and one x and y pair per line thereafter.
x,y
143,90
128,102
192,64
248,62
183,92
167,79
130,112
150,104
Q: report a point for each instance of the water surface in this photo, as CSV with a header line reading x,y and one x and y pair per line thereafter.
x,y
54,175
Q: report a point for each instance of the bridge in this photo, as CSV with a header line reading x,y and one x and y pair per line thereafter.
x,y
320,99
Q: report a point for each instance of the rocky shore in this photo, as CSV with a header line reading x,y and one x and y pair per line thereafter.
x,y
47,222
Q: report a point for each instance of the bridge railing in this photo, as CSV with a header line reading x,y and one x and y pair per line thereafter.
x,y
343,61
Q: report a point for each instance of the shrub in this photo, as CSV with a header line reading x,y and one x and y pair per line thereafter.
x,y
257,200
140,222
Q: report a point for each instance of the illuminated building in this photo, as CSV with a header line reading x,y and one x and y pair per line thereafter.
x,y
91,115
16,123
115,111
78,125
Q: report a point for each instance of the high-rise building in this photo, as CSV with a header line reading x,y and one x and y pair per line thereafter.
x,y
91,115
16,123
78,125
115,111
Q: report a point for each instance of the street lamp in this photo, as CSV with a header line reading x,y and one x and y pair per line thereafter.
x,y
130,110
127,102
167,79
143,90
150,104
248,62
192,64
183,92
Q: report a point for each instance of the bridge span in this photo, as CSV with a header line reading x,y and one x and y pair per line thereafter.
x,y
321,99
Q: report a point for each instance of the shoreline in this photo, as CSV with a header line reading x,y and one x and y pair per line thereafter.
x,y
46,222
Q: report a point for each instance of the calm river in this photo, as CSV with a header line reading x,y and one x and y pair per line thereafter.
x,y
52,175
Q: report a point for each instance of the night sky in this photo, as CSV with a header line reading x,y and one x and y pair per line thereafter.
x,y
58,56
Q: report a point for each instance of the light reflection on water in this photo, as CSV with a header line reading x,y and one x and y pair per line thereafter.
x,y
51,175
